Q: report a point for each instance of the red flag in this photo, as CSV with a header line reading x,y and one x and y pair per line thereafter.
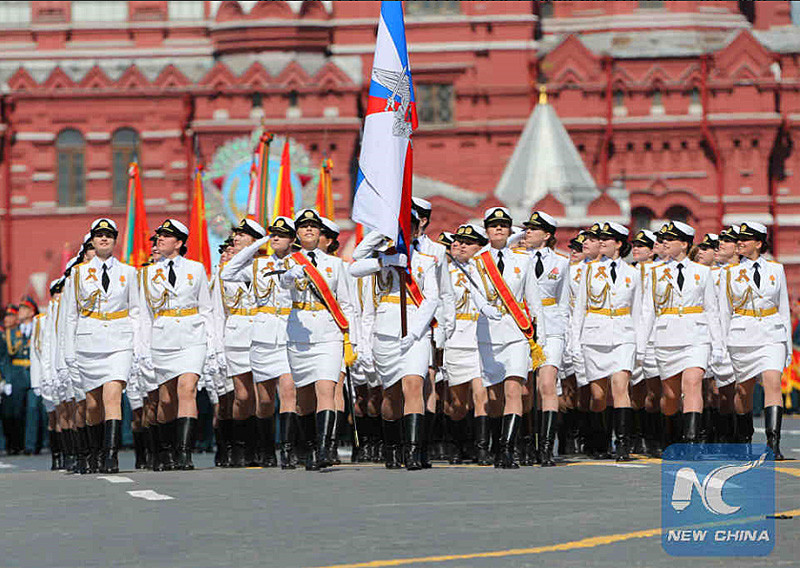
x,y
198,227
324,190
137,244
258,195
284,199
359,233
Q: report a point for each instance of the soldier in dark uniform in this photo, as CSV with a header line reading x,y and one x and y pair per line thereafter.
x,y
35,415
15,369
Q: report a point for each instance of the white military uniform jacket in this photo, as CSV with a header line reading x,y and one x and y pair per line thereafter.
x,y
521,281
39,356
98,320
234,311
467,314
682,317
272,302
445,312
386,294
317,326
755,315
553,288
607,311
180,315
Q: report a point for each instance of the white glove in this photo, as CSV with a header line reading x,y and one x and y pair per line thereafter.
x,y
639,360
491,312
210,367
397,259
37,391
406,342
295,272
70,362
717,356
146,363
7,389
222,364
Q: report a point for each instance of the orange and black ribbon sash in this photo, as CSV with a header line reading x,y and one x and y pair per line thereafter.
x,y
324,291
521,318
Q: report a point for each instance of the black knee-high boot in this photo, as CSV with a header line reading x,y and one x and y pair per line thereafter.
x,y
428,429
324,426
68,441
773,420
638,438
548,435
599,429
525,446
251,457
81,450
266,441
458,433
338,430
413,430
692,427
585,437
112,436
219,438
308,431
392,435
55,450
537,436
96,433
655,443
185,428
508,438
238,454
672,429
139,450
726,427
744,428
481,433
153,445
166,438
288,426
623,422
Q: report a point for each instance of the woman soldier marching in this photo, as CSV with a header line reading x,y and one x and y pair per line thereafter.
x,y
725,428
461,358
551,269
318,333
401,362
268,357
605,325
682,305
178,333
645,382
102,328
508,344
253,439
754,306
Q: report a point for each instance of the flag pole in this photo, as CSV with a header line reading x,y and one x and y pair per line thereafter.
x,y
403,302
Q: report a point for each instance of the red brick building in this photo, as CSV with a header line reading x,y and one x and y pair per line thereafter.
x,y
689,106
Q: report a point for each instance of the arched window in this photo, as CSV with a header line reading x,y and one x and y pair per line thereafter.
x,y
71,174
124,150
642,218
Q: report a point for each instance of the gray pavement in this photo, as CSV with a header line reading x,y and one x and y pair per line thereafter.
x,y
353,515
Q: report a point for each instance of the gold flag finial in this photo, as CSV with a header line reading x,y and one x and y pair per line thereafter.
x,y
542,95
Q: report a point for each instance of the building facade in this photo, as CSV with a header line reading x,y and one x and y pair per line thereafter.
x,y
690,107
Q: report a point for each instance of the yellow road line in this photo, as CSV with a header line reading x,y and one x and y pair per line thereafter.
x,y
590,542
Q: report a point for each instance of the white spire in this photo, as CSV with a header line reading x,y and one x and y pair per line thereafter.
x,y
545,161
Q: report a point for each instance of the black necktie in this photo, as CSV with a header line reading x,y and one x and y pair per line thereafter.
x,y
613,271
415,244
680,276
756,276
313,256
171,277
500,264
539,264
105,280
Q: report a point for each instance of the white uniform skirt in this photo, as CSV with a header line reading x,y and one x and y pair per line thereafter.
x,y
579,368
392,364
675,360
500,361
312,362
268,361
749,362
237,360
461,364
134,393
604,361
173,363
97,369
554,351
77,384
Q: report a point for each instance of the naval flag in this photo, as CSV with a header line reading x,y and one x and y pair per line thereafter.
x,y
382,200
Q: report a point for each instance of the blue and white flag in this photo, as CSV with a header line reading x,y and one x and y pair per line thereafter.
x,y
382,200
